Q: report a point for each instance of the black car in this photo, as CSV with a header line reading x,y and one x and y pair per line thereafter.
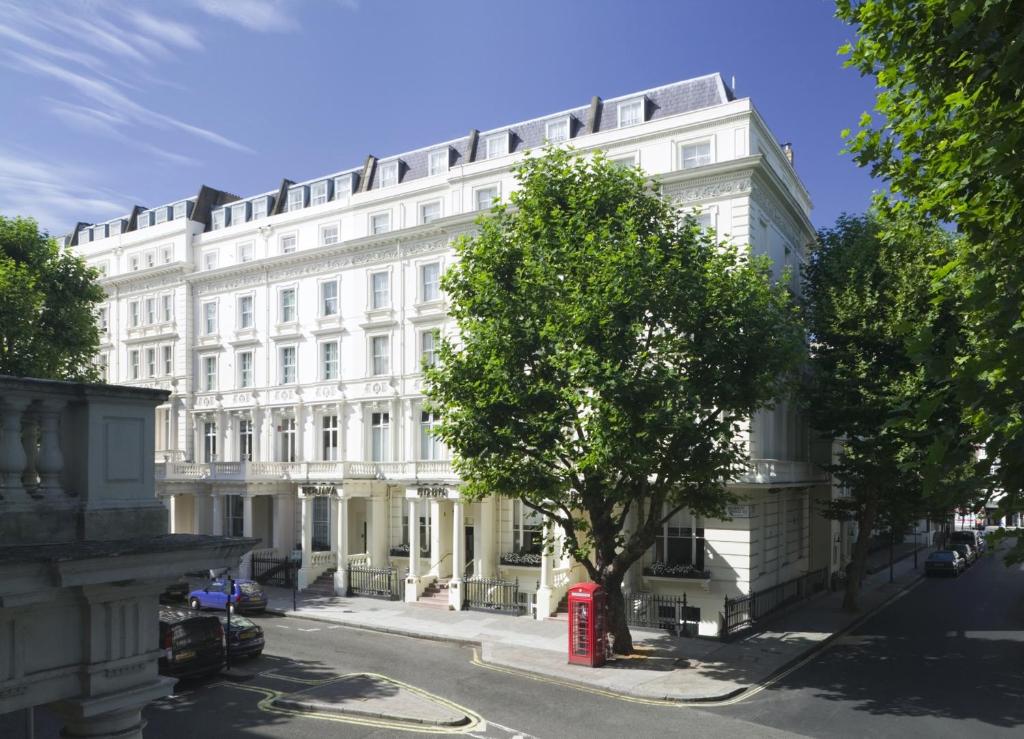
x,y
966,551
973,539
191,644
245,639
944,562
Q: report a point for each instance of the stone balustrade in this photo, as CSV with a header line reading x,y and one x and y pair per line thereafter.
x,y
307,471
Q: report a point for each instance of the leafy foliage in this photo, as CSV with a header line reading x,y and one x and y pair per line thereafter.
x,y
47,306
608,351
949,142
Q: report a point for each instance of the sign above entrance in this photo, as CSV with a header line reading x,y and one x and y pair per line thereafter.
x,y
740,511
431,492
314,491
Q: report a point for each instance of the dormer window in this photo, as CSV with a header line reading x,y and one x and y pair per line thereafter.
x,y
84,235
219,220
260,207
182,209
239,213
388,174
495,145
99,232
557,130
142,220
115,227
631,112
320,192
345,185
297,198
438,161
161,215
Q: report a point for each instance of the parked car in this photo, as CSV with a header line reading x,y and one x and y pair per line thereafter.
x,y
244,638
975,539
965,551
944,562
247,596
191,644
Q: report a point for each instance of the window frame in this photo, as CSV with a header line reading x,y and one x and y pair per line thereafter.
x,y
394,176
301,190
371,227
242,313
503,138
294,236
325,365
565,120
434,356
134,313
682,145
446,154
481,188
245,251
380,436
168,360
150,361
246,376
167,307
423,220
371,302
326,185
322,311
330,437
209,373
383,368
210,328
624,104
283,366
134,366
421,283
281,290
211,259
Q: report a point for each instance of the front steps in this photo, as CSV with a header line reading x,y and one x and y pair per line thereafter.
x,y
323,586
435,595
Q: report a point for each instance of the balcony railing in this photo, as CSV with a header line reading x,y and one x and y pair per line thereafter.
x,y
432,471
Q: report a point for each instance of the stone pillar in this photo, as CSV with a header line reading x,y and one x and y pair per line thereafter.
x,y
378,545
301,437
488,538
435,537
12,450
218,514
363,452
172,423
247,515
172,511
126,724
455,597
278,523
267,438
222,428
341,538
342,431
544,591
412,581
307,540
411,452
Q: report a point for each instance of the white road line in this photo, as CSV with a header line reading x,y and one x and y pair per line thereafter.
x,y
313,629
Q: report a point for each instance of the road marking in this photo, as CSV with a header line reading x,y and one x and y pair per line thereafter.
x,y
313,629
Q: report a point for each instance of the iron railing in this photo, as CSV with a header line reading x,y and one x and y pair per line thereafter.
x,y
669,612
745,610
268,569
374,582
491,594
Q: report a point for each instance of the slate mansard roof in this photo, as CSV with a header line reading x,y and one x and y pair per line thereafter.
x,y
598,115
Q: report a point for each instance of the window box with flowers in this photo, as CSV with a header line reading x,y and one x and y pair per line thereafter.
x,y
521,559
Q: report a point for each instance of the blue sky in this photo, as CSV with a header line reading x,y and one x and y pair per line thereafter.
x,y
108,103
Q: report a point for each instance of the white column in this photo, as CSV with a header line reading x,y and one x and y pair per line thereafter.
x,y
378,545
218,514
342,431
412,581
303,439
307,539
246,515
12,452
172,526
222,432
488,537
435,538
411,451
341,539
544,592
172,424
455,598
257,434
278,522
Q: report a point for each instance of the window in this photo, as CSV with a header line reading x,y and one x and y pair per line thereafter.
x,y
101,319
438,162
329,235
103,363
527,529
142,220
133,364
321,540
430,282
239,213
631,112
329,298
168,360
245,369
380,290
245,313
485,197
101,268
329,360
209,318
297,198
288,243
167,308
160,216
343,186
150,362
209,442
430,211
167,254
555,131
259,207
380,436
380,223
99,232
705,219
210,260
430,446
209,374
286,435
695,154
233,514
133,263
245,252
318,193
329,439
150,311
244,440
388,174
133,313
116,227
381,350
180,209
625,161
680,545
495,145
288,369
219,219
429,347
287,300
423,516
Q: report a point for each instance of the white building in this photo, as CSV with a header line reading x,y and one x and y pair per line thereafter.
x,y
290,328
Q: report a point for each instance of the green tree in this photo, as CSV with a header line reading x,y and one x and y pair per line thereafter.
x,y
609,350
948,140
48,299
866,293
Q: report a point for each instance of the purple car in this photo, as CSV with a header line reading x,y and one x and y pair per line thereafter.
x,y
248,596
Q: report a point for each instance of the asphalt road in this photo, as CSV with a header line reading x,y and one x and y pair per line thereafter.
x,y
946,659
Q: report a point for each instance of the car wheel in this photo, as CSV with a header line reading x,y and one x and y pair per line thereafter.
x,y
194,603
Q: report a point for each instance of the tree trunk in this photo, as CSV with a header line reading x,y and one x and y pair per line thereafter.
x,y
622,640
855,572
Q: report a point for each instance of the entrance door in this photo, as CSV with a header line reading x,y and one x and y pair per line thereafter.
x,y
469,552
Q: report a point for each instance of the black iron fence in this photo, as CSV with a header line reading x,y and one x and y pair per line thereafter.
x,y
491,594
669,612
745,610
374,582
268,569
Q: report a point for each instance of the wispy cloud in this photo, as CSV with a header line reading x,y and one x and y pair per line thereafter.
x,y
267,16
168,31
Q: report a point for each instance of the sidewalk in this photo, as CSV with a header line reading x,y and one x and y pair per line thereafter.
x,y
665,668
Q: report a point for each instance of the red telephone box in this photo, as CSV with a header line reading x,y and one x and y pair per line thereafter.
x,y
588,632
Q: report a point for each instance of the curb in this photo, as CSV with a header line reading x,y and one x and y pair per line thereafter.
x,y
302,706
378,629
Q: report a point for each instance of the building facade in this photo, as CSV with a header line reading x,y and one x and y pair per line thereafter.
x,y
291,329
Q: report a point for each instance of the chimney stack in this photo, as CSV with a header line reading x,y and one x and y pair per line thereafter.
x,y
787,149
